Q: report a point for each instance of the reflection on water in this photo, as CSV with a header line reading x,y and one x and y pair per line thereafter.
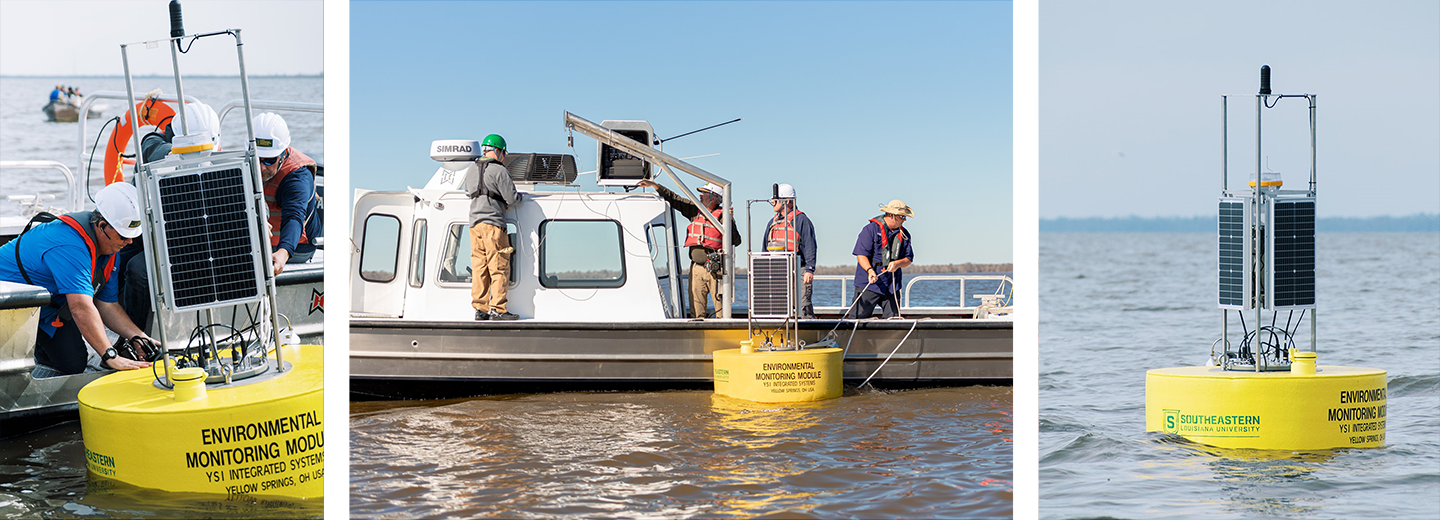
x,y
43,474
918,454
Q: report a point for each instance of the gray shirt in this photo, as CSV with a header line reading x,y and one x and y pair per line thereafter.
x,y
488,199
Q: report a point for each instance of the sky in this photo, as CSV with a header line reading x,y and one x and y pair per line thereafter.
x,y
1130,110
35,39
853,103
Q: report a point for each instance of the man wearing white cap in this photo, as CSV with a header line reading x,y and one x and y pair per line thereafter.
x,y
881,250
73,257
791,230
703,239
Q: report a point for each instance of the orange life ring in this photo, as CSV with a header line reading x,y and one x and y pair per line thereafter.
x,y
152,113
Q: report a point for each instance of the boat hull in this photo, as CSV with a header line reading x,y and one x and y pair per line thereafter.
x,y
409,359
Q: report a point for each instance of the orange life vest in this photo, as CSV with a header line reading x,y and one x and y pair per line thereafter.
x,y
784,236
97,278
294,160
152,112
889,252
702,233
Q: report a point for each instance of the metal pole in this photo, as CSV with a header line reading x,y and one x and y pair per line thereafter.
x,y
152,249
729,248
179,90
1256,236
1312,144
1224,145
262,210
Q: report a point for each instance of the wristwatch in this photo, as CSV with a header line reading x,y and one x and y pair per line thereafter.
x,y
109,354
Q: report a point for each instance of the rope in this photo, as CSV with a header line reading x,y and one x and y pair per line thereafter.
x,y
892,353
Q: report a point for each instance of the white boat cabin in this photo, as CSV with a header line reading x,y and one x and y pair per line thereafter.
x,y
579,256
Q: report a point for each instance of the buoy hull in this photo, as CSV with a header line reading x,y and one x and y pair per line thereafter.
x,y
1336,407
260,438
781,376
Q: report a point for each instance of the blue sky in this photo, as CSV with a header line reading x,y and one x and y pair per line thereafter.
x,y
1130,103
854,103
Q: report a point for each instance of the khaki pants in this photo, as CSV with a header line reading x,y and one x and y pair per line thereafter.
x,y
489,267
702,283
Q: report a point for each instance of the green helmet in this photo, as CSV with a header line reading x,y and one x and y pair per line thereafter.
x,y
494,140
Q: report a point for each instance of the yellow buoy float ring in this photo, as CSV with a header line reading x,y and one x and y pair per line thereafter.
x,y
260,437
783,376
1306,408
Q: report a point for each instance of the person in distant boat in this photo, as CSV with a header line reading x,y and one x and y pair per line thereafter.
x,y
290,192
57,94
491,192
882,250
73,257
790,230
704,240
134,279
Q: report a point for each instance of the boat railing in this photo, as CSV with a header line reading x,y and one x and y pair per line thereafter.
x,y
73,198
117,96
845,285
963,278
256,104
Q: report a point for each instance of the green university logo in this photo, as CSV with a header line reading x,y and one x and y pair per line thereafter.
x,y
1172,421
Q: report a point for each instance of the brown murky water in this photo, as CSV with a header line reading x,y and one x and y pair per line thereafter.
x,y
928,453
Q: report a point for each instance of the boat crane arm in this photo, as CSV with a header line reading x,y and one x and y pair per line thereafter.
x,y
666,161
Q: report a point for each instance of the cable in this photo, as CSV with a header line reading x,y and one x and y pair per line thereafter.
x,y
91,161
913,323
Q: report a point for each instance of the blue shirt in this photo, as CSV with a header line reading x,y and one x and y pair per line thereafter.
x,y
296,200
868,245
805,231
57,259
56,94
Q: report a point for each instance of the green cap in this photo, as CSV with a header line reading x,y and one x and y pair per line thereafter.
x,y
494,140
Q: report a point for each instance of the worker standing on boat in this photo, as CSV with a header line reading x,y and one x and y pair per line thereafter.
x,y
790,230
882,250
73,257
134,278
491,192
289,177
704,240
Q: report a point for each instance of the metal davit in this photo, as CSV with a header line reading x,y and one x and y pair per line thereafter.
x,y
1266,392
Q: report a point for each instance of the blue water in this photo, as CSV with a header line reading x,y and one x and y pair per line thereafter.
x,y
1116,305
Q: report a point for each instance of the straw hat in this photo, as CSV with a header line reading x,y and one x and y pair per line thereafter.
x,y
896,207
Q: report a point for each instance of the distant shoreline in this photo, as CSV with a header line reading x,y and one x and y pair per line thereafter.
x,y
1419,222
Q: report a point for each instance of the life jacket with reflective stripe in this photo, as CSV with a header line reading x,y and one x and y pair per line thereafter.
x,y
294,160
783,235
80,222
890,251
702,233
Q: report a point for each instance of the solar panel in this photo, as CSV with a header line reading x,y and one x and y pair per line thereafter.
x,y
1234,254
1291,269
773,292
206,233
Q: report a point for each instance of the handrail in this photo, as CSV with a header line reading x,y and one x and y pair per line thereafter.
x,y
73,200
961,277
844,287
293,106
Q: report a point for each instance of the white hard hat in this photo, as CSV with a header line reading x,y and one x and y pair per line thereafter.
x,y
119,204
203,127
787,191
271,135
712,188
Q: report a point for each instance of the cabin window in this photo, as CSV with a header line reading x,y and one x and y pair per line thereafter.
x,y
581,254
417,254
660,259
380,255
455,262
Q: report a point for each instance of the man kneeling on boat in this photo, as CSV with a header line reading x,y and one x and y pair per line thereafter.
x,y
294,204
73,257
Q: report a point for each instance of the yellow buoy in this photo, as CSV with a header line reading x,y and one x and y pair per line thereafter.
x,y
785,376
258,436
1306,408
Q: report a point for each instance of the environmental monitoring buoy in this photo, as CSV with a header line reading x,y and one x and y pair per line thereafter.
x,y
1267,393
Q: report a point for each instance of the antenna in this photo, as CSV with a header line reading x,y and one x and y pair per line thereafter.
x,y
658,141
177,28
1264,80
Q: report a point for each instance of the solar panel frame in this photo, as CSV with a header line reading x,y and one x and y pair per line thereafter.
x,y
1235,248
205,226
1290,266
774,286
